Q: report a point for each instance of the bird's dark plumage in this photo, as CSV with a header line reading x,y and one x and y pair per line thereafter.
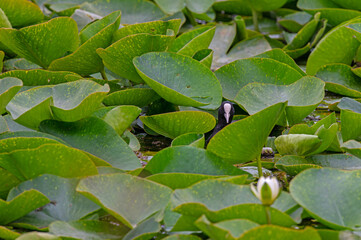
x,y
225,117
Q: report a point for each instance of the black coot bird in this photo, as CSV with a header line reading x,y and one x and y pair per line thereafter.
x,y
225,117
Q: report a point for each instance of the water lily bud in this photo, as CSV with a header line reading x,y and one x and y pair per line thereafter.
x,y
267,190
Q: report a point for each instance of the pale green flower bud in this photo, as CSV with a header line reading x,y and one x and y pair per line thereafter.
x,y
267,190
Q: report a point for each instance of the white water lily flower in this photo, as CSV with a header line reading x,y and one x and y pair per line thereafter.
x,y
267,190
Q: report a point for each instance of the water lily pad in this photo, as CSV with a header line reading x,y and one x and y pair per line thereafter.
x,y
32,42
242,141
85,60
178,180
21,205
276,232
21,12
29,163
320,192
145,230
65,203
38,77
294,22
182,237
257,96
88,229
8,88
350,117
2,55
337,46
305,34
133,96
86,97
238,74
7,233
155,27
329,10
116,194
191,42
118,57
97,138
191,139
175,124
186,159
280,55
4,21
38,236
230,229
132,11
264,5
7,182
340,79
31,107
195,87
119,117
295,164
352,147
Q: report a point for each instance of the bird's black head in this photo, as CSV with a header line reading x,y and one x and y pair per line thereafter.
x,y
225,113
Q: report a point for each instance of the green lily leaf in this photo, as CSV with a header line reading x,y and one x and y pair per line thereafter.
x,y
182,237
204,56
21,205
193,41
145,230
305,34
257,96
197,87
4,21
295,21
132,11
2,55
186,159
176,180
119,117
233,6
230,229
293,165
340,79
99,140
28,163
329,10
85,60
118,57
238,74
264,5
352,147
243,140
132,96
117,200
39,77
65,203
350,118
7,181
86,97
199,199
8,88
31,107
280,55
32,43
296,53
319,191
337,46
88,229
21,12
171,7
191,139
175,124
155,27
7,233
244,49
38,236
272,232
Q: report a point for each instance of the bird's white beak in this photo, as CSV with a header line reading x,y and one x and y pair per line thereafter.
x,y
227,111
226,116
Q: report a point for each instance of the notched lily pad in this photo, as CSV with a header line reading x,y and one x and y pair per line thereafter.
x,y
175,124
350,119
21,12
119,199
191,139
8,88
132,96
197,87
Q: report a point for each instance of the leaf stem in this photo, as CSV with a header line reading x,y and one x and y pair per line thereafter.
x,y
104,75
259,166
255,20
268,214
